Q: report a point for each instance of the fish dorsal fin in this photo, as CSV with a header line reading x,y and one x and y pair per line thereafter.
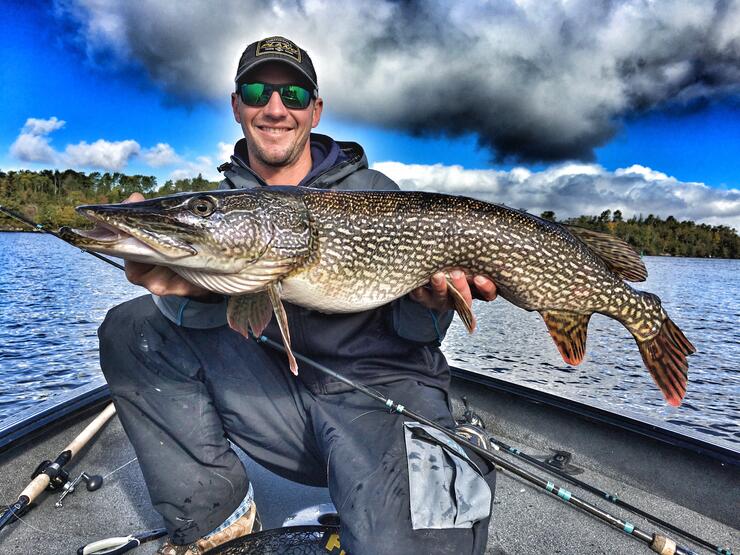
x,y
249,312
282,318
568,330
254,311
617,254
461,307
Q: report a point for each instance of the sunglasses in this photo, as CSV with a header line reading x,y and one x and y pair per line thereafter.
x,y
294,97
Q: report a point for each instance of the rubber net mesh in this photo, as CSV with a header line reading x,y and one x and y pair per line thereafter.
x,y
292,540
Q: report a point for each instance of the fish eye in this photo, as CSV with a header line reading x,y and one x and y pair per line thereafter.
x,y
202,206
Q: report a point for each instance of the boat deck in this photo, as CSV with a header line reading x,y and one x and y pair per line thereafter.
x,y
525,520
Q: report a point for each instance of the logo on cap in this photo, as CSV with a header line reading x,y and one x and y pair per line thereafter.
x,y
278,45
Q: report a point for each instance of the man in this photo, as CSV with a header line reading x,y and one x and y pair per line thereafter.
x,y
185,384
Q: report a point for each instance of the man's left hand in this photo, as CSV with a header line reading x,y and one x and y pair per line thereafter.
x,y
436,297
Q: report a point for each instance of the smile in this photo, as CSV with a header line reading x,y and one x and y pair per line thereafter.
x,y
273,130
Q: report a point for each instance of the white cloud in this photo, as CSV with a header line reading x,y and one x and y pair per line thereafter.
x,y
574,190
32,144
33,148
160,155
202,165
36,126
225,150
533,80
101,154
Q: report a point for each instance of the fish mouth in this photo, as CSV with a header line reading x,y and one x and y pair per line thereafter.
x,y
116,233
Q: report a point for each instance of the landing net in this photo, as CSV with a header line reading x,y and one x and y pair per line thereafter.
x,y
291,540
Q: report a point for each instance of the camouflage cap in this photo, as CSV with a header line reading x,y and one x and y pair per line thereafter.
x,y
276,49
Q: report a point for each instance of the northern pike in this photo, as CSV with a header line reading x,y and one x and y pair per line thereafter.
x,y
349,251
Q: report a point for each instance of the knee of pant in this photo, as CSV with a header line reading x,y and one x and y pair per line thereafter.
x,y
121,328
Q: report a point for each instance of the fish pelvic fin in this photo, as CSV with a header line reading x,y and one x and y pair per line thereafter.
x,y
249,312
665,357
282,318
568,330
461,307
617,254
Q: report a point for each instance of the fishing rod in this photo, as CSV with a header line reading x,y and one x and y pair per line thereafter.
x,y
655,541
53,474
612,498
44,229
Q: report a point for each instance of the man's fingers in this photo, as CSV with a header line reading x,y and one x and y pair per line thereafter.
x,y
135,271
134,197
460,282
486,289
439,288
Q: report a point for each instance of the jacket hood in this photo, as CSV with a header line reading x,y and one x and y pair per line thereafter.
x,y
348,158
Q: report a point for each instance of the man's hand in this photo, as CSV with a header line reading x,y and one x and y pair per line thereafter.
x,y
160,280
436,297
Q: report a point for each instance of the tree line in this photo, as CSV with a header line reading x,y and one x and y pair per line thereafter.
x,y
654,236
49,197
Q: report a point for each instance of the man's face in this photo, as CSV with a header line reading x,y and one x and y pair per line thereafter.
x,y
276,136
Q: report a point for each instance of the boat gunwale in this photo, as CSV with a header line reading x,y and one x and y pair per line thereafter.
x,y
664,432
16,430
20,428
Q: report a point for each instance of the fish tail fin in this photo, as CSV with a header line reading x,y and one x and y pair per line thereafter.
x,y
568,331
665,357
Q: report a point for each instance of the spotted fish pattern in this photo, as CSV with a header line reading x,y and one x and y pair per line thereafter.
x,y
348,251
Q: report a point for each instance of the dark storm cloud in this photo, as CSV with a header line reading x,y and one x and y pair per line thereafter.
x,y
533,81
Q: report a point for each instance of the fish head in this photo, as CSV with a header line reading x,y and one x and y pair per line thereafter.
x,y
220,232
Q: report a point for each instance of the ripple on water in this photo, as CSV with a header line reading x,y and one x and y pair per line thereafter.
x,y
53,298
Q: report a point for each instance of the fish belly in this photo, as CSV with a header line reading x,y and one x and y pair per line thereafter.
x,y
330,298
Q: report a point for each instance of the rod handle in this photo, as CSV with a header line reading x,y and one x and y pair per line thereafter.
x,y
35,487
90,430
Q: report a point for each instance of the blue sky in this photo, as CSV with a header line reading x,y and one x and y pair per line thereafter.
x,y
53,65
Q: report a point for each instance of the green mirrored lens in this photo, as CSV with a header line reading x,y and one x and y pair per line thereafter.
x,y
294,96
255,94
258,94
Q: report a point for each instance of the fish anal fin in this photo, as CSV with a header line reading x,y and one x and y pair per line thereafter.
x,y
282,318
461,307
617,254
249,312
665,358
568,330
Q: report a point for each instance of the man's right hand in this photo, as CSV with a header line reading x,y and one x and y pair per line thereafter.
x,y
160,280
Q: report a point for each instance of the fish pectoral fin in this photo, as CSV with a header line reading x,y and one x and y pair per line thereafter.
x,y
568,330
282,318
253,311
618,255
461,307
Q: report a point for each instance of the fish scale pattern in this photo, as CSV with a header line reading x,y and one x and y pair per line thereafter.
x,y
376,246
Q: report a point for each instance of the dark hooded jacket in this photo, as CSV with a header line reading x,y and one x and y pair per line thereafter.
x,y
395,341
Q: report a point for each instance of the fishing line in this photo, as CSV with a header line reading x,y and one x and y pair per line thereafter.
x,y
43,229
119,468
656,542
612,498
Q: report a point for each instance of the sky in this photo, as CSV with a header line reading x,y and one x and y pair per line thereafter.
x,y
572,106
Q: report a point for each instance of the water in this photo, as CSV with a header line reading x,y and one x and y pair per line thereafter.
x,y
53,297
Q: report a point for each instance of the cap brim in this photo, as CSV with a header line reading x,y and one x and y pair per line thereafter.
x,y
279,60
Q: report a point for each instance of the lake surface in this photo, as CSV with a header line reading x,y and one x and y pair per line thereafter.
x,y
53,298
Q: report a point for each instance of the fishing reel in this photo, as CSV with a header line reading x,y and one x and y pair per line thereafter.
x,y
59,480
